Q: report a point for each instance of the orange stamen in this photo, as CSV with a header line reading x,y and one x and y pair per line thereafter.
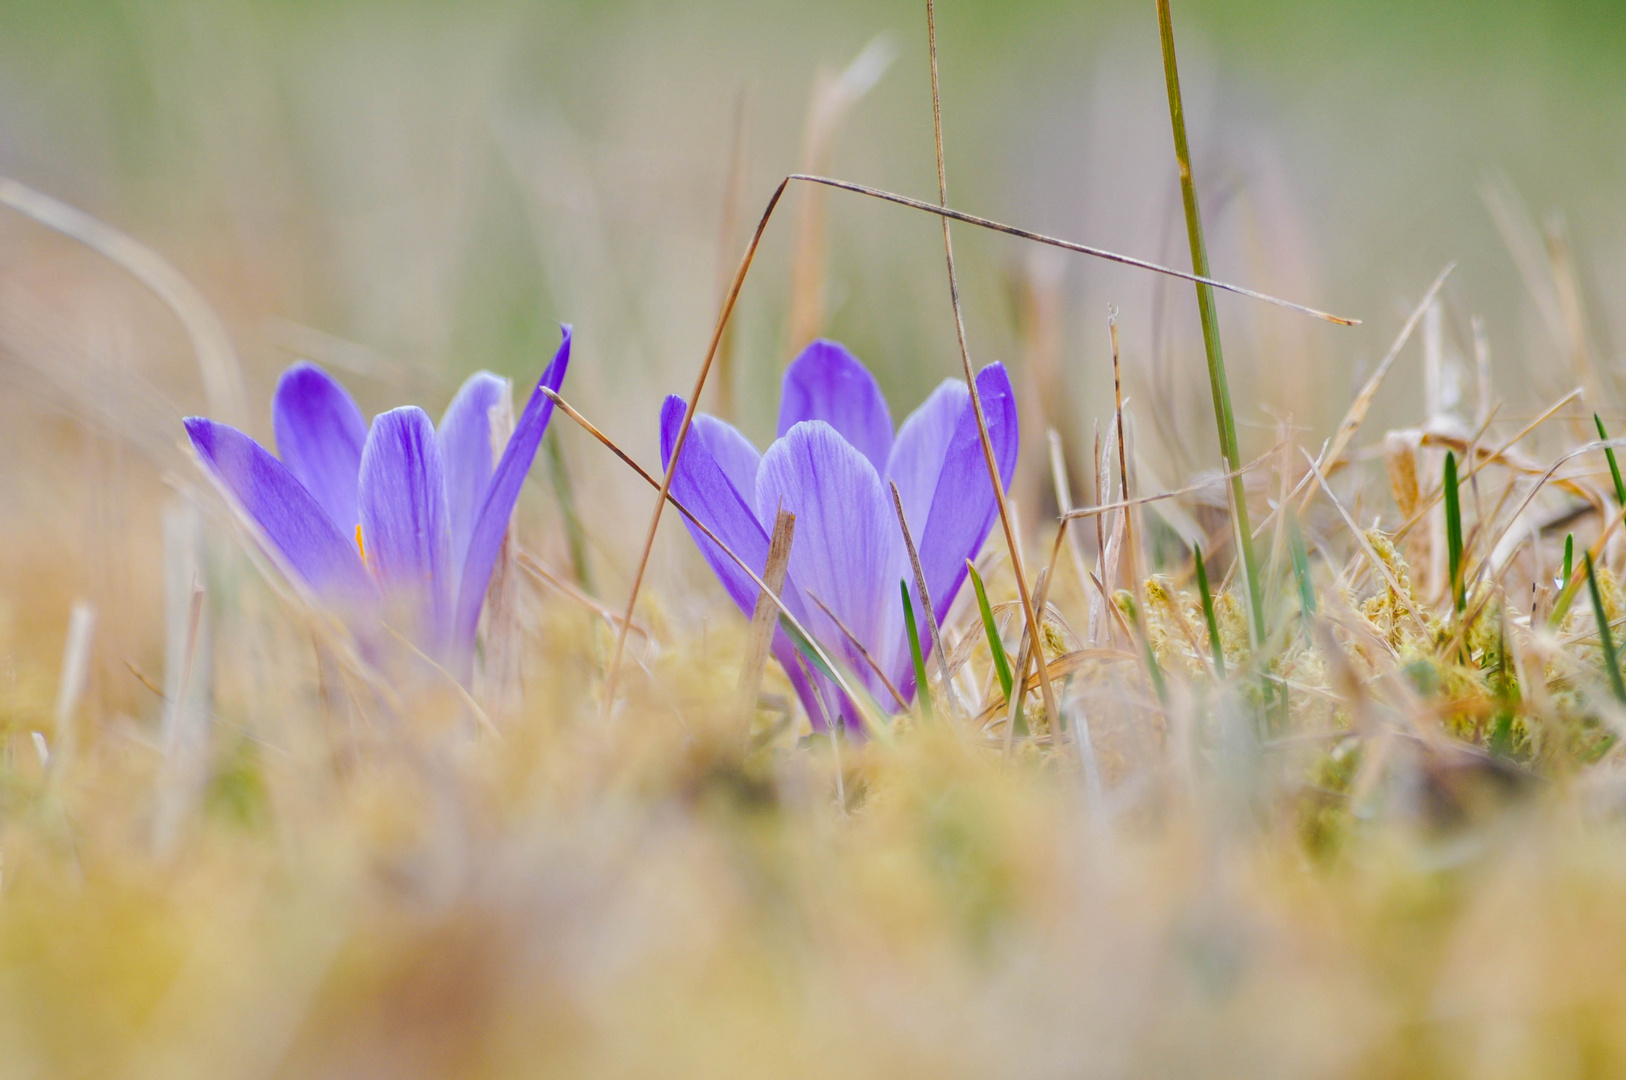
x,y
361,547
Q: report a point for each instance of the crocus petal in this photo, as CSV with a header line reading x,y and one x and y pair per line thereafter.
x,y
404,520
847,550
491,523
826,382
917,455
466,452
735,455
320,433
289,516
702,484
963,508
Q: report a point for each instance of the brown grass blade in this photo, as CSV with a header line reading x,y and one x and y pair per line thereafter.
x,y
1012,542
763,620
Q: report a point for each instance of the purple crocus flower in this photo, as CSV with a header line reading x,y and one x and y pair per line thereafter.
x,y
830,467
400,515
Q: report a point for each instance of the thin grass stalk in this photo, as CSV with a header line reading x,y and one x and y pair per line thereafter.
x,y
1614,466
1453,533
1223,418
1301,565
1012,541
923,693
1605,639
1208,612
925,601
996,647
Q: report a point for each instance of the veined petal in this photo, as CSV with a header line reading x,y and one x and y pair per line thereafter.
x,y
963,508
491,523
320,433
404,520
847,551
703,485
917,455
735,455
826,382
467,454
288,515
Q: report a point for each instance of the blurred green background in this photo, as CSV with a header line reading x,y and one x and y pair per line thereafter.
x,y
416,189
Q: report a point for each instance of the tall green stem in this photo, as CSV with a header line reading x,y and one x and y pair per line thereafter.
x,y
1223,418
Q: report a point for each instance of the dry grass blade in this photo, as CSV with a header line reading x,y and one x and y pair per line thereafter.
x,y
1013,543
457,688
1062,666
1371,554
833,98
1500,454
71,684
945,211
217,360
764,619
1362,404
1064,503
547,577
852,639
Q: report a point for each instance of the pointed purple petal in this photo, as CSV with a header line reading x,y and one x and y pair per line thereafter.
x,y
320,433
286,513
703,486
491,523
848,551
466,453
734,453
404,521
917,455
963,507
826,382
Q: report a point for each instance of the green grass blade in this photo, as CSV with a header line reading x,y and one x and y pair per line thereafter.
x,y
861,699
1614,466
805,647
922,694
1002,663
1453,532
1301,564
1568,587
1224,417
1605,638
1208,612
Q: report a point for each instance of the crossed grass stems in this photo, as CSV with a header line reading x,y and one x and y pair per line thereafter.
x,y
1199,276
